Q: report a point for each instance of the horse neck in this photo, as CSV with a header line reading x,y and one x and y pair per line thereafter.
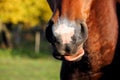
x,y
78,71
103,32
100,45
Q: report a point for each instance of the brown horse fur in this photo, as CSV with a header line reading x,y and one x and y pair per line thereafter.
x,y
101,18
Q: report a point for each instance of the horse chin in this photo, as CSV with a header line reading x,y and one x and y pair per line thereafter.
x,y
75,57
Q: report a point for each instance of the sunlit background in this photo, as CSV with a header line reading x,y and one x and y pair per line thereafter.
x,y
24,52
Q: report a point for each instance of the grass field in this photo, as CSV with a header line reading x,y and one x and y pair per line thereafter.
x,y
15,67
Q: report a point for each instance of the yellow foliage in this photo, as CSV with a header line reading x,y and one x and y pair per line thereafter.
x,y
32,12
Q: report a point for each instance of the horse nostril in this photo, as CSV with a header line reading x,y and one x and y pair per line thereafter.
x,y
48,33
84,30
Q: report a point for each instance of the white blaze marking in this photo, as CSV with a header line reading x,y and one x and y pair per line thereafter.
x,y
64,30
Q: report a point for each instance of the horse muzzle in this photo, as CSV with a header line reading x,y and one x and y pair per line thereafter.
x,y
67,39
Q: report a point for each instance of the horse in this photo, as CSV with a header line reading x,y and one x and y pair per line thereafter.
x,y
84,35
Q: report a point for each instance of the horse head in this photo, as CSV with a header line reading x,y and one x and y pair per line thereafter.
x,y
67,30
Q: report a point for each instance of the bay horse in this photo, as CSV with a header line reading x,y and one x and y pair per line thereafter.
x,y
84,34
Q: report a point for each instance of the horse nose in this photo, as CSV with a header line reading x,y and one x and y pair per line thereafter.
x,y
66,36
64,33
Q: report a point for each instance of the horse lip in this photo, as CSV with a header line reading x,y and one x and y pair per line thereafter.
x,y
76,56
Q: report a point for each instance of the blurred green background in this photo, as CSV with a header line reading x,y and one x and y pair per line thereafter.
x,y
24,52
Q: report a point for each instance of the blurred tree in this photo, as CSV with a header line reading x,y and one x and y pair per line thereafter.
x,y
6,36
30,12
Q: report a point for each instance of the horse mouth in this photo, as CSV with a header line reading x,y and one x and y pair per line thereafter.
x,y
75,57
70,56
